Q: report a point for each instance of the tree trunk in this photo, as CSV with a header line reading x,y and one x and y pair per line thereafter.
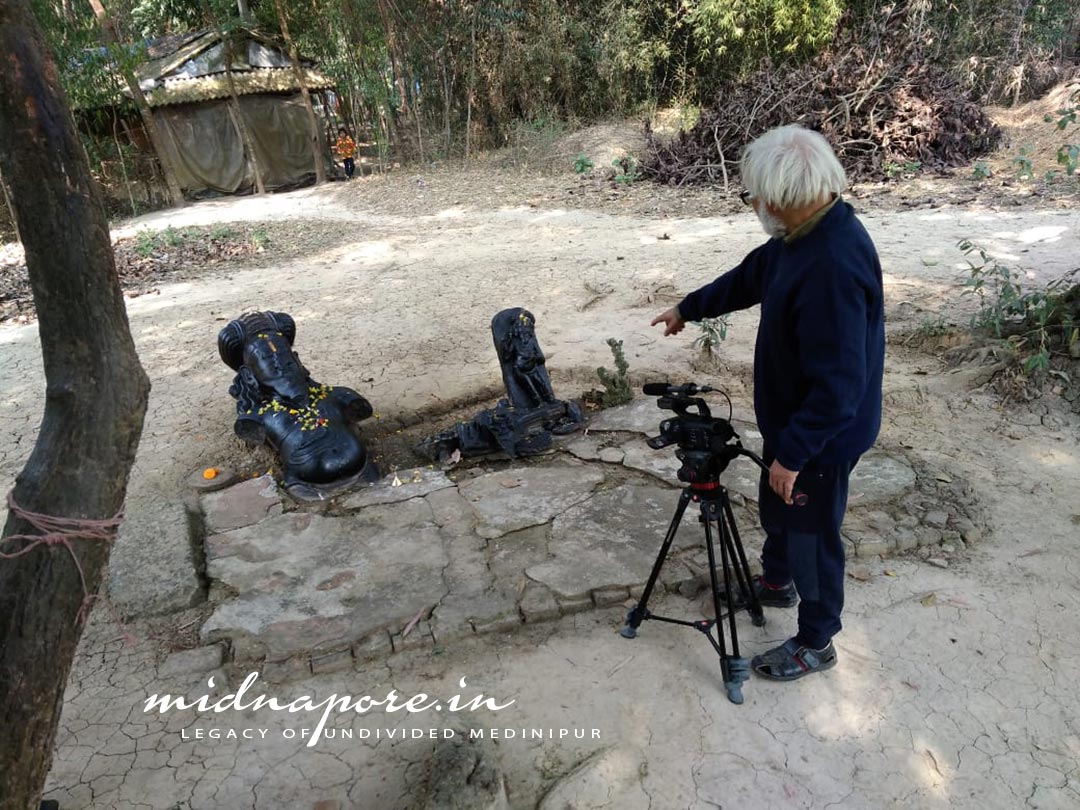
x,y
382,118
95,399
242,130
356,102
294,57
108,33
123,166
244,10
419,129
472,82
239,120
448,91
398,67
381,124
10,208
448,77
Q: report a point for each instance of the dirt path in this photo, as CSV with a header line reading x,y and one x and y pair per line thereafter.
x,y
965,699
414,296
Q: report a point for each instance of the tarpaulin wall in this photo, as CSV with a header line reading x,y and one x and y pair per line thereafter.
x,y
208,154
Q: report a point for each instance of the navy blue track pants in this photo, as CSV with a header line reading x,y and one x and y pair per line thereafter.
x,y
803,545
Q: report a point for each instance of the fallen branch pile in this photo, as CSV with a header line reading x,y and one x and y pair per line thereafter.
x,y
882,107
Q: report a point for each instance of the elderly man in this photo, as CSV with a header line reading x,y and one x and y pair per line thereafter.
x,y
817,376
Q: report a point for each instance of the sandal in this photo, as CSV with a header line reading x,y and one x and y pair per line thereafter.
x,y
791,661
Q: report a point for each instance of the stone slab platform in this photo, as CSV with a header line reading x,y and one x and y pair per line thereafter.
x,y
424,557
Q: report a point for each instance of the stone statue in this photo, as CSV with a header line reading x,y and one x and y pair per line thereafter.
x,y
523,423
309,425
523,371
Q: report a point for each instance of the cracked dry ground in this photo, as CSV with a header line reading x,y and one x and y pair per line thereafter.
x,y
956,686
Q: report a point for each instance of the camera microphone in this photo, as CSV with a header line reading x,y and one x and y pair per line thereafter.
x,y
655,389
663,389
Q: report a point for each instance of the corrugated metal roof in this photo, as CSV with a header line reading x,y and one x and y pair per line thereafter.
x,y
251,72
170,43
156,68
206,88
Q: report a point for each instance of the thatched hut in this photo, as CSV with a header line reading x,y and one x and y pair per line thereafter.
x,y
188,89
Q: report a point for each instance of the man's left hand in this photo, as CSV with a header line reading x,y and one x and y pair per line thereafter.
x,y
782,481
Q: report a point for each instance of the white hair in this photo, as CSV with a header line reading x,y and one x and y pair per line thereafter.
x,y
791,167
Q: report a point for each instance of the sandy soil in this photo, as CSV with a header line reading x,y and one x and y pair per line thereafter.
x,y
966,700
414,289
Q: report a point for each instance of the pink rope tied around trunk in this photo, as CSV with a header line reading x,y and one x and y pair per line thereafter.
x,y
60,531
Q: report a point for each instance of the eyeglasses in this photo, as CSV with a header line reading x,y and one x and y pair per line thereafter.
x,y
746,196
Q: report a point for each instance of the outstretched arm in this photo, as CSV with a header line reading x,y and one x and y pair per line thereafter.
x,y
738,288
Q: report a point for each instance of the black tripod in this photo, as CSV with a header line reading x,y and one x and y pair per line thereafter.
x,y
715,515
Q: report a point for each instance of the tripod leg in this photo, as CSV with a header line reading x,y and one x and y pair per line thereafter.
x,y
742,569
734,669
713,584
640,611
725,546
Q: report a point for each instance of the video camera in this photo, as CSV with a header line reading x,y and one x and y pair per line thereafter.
x,y
707,443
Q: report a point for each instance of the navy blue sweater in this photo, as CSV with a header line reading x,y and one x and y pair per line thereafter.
x,y
820,348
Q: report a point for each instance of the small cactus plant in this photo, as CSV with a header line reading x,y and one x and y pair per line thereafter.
x,y
616,386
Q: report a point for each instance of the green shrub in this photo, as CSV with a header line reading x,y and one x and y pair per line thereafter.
x,y
1022,162
1034,321
582,164
626,170
713,333
617,389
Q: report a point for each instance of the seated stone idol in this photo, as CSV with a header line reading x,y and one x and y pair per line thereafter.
x,y
523,423
309,425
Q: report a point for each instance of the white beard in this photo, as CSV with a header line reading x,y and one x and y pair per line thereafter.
x,y
771,225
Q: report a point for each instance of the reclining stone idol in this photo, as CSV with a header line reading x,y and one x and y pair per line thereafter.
x,y
309,426
523,423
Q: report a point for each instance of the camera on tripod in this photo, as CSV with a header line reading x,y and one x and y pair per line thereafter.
x,y
707,443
